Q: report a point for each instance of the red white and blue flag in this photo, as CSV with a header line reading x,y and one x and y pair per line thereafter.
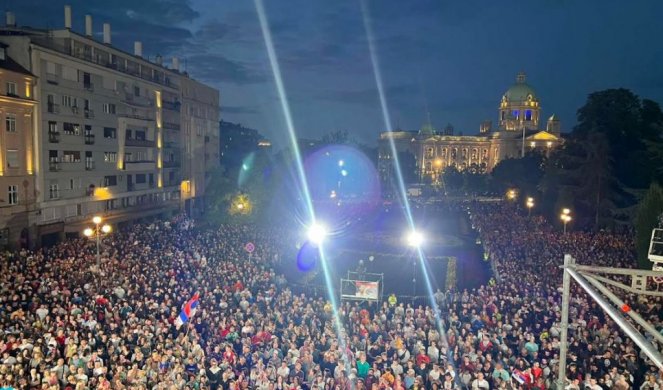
x,y
188,310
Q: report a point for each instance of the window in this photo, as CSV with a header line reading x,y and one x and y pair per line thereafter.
x,y
53,191
528,115
11,89
140,135
12,158
52,127
10,123
53,156
516,114
12,195
71,156
140,178
88,130
71,128
109,108
110,181
68,101
429,152
110,132
110,157
136,91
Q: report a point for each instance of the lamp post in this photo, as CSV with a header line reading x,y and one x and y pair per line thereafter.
x,y
97,232
529,204
565,217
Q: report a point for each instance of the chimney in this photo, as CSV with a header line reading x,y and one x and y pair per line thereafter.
x,y
138,49
176,64
107,33
88,25
10,19
159,60
67,17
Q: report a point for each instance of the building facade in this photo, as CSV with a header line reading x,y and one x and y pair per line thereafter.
x,y
17,149
517,133
111,130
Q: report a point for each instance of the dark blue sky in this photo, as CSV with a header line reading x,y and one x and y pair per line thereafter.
x,y
452,58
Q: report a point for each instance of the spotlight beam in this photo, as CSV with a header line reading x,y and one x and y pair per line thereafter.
x,y
401,183
276,71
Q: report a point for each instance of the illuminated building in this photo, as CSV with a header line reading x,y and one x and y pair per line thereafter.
x,y
115,133
17,164
517,134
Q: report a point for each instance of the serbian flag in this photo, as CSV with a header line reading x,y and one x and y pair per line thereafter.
x,y
188,310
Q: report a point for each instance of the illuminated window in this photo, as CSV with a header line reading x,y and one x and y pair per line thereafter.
x,y
11,89
516,114
12,158
528,115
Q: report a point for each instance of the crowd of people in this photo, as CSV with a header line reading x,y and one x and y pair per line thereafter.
x,y
69,324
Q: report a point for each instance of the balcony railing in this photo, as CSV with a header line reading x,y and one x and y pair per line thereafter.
x,y
53,166
171,164
139,165
89,139
89,113
89,165
89,86
53,108
139,142
54,137
173,106
171,126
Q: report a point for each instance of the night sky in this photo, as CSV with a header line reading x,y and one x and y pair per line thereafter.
x,y
451,58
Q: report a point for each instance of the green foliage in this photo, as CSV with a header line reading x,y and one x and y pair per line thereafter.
x,y
453,179
521,173
649,210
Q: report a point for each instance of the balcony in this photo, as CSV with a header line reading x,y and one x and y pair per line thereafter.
x,y
54,137
172,164
171,126
89,87
53,108
139,165
89,139
54,166
172,106
139,142
89,114
142,117
89,165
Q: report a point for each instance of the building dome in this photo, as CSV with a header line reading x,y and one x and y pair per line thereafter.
x,y
520,91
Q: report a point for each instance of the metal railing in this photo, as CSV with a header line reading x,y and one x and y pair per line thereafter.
x,y
53,108
89,139
54,137
54,166
139,142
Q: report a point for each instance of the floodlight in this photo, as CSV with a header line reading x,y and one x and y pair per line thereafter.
x,y
96,220
341,163
415,239
344,172
317,233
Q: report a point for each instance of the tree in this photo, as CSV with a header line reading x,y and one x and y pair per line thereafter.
x,y
647,218
453,179
522,173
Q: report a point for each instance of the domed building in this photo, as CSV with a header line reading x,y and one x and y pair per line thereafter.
x,y
517,133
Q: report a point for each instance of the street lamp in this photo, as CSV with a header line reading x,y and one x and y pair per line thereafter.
x,y
511,194
529,204
565,217
97,232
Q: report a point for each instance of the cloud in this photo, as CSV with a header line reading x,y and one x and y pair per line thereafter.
x,y
238,110
369,96
215,67
214,30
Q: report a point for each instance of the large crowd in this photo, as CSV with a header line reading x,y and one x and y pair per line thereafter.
x,y
68,324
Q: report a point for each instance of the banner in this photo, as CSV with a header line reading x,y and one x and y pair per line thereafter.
x,y
366,290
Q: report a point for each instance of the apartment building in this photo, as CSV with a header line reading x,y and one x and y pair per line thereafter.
x,y
109,137
17,116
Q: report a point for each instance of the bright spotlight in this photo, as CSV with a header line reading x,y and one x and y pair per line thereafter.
x,y
415,239
341,163
344,172
317,233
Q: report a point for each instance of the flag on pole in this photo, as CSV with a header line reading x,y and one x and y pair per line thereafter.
x,y
188,310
